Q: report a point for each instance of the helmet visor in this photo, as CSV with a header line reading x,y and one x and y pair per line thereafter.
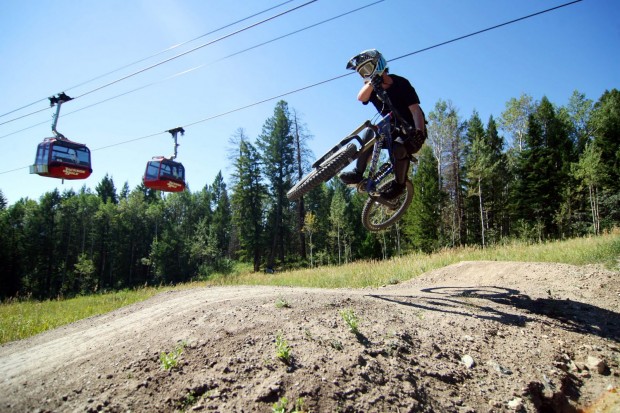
x,y
366,69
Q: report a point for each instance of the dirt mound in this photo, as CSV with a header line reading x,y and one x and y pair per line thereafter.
x,y
471,337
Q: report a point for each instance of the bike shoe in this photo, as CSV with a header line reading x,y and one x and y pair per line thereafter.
x,y
392,190
351,178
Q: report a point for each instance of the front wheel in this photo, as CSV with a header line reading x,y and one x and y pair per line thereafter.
x,y
323,172
377,216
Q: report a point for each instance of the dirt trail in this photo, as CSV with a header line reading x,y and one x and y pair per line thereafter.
x,y
471,337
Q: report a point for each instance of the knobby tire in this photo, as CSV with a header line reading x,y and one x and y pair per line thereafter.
x,y
377,217
323,172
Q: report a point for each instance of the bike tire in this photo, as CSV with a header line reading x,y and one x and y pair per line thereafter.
x,y
377,217
323,172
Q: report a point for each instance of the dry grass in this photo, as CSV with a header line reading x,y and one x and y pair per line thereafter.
x,y
21,319
604,249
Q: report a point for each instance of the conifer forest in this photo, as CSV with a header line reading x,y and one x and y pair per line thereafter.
x,y
538,171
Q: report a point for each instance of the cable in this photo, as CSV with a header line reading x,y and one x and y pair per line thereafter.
x,y
107,100
151,56
177,46
176,56
485,30
223,113
24,116
195,48
331,79
205,65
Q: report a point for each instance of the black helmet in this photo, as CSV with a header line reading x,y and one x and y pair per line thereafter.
x,y
368,63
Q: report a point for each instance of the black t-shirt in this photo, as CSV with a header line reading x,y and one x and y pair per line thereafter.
x,y
401,94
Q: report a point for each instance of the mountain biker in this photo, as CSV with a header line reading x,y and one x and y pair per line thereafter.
x,y
371,65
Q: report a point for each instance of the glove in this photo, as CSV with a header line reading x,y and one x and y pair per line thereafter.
x,y
415,140
376,81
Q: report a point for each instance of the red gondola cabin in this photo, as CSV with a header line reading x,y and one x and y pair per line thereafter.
x,y
63,159
165,175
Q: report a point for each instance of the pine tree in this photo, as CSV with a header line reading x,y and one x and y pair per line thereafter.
x,y
221,214
277,148
542,172
606,126
421,222
106,190
477,160
247,202
497,212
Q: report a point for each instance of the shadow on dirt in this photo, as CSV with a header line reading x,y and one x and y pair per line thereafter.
x,y
469,301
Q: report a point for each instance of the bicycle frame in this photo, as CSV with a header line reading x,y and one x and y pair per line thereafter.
x,y
382,138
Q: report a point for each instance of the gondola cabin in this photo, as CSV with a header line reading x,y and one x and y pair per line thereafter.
x,y
63,159
165,175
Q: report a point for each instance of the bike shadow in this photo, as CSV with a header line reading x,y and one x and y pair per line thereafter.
x,y
571,315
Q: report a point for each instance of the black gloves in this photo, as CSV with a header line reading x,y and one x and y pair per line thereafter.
x,y
415,139
376,81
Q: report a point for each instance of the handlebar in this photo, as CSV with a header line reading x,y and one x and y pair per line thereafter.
x,y
386,99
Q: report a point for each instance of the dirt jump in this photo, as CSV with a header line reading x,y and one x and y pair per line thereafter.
x,y
470,337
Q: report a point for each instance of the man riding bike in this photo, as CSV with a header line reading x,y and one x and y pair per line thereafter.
x,y
371,65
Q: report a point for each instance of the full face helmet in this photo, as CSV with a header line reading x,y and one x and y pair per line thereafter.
x,y
368,63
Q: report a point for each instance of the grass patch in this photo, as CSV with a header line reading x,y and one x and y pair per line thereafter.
x,y
604,249
21,319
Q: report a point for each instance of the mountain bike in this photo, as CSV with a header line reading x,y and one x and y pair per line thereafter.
x,y
378,213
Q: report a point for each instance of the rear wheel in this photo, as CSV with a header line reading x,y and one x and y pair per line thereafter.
x,y
377,216
324,172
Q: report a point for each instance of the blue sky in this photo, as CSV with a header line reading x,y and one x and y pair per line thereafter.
x,y
48,47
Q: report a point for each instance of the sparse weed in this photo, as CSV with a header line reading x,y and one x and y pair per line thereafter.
x,y
280,405
189,400
171,360
282,303
283,350
308,334
351,319
336,344
299,405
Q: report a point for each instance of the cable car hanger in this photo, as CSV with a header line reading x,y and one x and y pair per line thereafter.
x,y
174,132
58,101
58,157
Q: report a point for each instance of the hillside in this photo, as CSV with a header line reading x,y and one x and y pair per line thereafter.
x,y
471,337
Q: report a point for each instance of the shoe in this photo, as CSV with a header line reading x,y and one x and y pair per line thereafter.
x,y
351,178
392,190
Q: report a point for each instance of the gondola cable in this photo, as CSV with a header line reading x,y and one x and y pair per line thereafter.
x,y
205,65
332,79
174,57
350,73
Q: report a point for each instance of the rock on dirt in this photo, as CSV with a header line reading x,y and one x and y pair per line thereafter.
x,y
471,337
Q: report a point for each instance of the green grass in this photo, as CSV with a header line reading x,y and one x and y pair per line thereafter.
x,y
283,350
351,319
603,249
170,360
21,319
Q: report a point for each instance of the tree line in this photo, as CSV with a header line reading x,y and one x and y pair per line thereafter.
x,y
552,174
